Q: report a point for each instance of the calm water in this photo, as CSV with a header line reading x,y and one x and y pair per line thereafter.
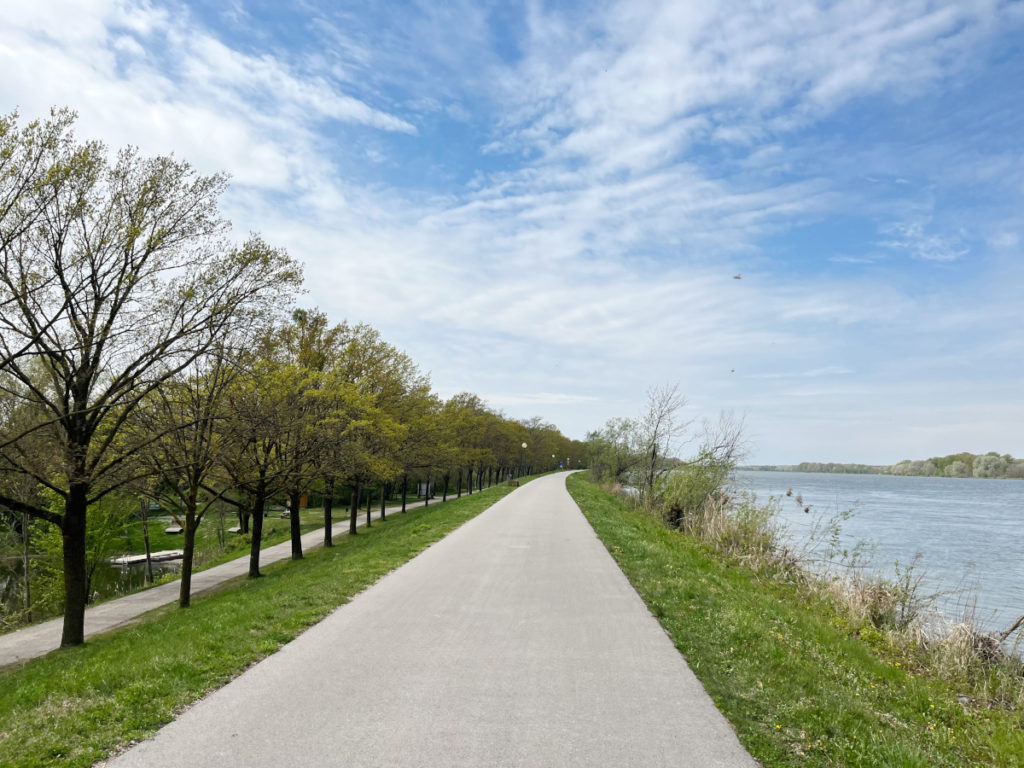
x,y
969,533
110,579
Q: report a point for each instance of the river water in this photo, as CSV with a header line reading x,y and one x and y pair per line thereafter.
x,y
967,533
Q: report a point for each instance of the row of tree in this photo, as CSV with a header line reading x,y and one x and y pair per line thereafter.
x,y
141,351
988,465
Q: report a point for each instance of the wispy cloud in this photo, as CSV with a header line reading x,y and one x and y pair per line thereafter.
x,y
914,238
607,171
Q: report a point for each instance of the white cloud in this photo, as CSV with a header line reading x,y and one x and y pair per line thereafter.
x,y
649,152
140,74
914,238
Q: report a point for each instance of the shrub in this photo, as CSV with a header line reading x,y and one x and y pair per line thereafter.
x,y
686,490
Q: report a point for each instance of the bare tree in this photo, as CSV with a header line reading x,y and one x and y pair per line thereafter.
x,y
658,431
124,280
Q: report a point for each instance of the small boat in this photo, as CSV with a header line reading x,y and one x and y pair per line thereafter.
x,y
156,557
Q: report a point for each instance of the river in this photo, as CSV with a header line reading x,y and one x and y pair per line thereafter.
x,y
968,533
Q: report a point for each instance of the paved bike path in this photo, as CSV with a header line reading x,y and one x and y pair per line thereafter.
x,y
39,639
514,641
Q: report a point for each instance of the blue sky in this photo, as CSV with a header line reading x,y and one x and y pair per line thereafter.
x,y
545,203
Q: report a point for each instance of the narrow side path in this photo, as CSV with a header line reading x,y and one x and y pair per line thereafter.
x,y
514,641
39,639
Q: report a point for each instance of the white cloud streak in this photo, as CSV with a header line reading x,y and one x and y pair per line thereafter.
x,y
651,148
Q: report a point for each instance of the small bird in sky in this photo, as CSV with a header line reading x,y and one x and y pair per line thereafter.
x,y
737,276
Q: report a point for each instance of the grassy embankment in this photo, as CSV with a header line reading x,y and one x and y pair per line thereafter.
x,y
72,707
781,662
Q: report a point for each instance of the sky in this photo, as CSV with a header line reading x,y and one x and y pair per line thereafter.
x,y
547,203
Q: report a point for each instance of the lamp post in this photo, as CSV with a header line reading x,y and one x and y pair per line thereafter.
x,y
522,460
554,462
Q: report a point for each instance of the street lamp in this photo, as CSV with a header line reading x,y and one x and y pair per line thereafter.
x,y
554,462
522,460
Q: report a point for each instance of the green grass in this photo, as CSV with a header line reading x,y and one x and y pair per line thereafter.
x,y
73,706
275,530
778,663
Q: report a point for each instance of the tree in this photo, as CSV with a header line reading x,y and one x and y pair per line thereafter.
x,y
123,281
385,377
958,469
657,431
257,429
36,162
421,446
186,417
321,407
695,481
990,466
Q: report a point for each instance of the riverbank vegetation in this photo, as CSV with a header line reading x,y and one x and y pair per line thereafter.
x,y
73,706
144,357
801,677
987,465
814,660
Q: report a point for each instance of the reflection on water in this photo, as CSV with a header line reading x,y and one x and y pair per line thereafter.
x,y
109,579
969,533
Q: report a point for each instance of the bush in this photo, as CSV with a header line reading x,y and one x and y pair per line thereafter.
x,y
684,491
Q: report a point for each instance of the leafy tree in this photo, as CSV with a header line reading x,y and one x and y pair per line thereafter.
x,y
186,415
611,453
958,469
123,282
990,465
257,431
386,377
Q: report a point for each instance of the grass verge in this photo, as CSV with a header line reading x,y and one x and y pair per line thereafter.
x,y
782,666
73,707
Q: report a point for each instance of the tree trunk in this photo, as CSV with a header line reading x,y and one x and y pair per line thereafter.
x,y
144,509
352,518
459,484
480,479
258,503
383,502
470,486
220,526
295,520
426,495
328,508
75,580
369,502
444,494
405,486
25,565
185,592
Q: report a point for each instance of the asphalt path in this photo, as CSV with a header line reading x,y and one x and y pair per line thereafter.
x,y
39,639
514,641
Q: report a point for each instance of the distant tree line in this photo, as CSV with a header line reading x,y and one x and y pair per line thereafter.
x,y
988,465
143,355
